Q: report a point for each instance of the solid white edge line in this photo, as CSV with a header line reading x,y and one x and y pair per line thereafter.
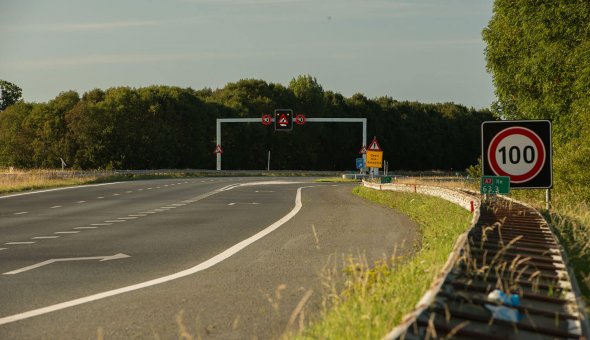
x,y
200,267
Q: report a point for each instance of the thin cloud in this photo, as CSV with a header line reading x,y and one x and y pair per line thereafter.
x,y
76,27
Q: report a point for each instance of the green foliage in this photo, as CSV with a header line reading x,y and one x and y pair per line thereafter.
x,y
170,127
9,94
539,55
475,171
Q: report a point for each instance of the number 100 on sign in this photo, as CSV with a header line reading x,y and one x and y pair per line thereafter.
x,y
520,150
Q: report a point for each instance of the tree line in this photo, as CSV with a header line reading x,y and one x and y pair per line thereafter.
x,y
538,55
171,127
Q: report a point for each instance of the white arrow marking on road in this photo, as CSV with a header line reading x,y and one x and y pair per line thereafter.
x,y
44,263
200,267
253,203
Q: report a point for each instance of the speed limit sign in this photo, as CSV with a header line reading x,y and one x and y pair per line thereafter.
x,y
520,150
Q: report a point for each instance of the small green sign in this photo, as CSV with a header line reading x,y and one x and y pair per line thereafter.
x,y
386,179
493,185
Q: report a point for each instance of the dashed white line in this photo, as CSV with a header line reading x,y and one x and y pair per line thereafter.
x,y
3,248
199,267
43,237
139,189
116,194
21,213
82,228
114,221
178,204
167,207
17,243
149,188
137,215
100,197
56,206
148,212
128,192
126,218
66,232
99,224
81,202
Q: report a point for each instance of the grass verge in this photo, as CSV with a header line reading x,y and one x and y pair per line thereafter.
x,y
376,296
39,179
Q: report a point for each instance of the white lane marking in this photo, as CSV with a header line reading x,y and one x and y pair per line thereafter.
x,y
263,191
66,232
44,263
43,237
137,215
101,224
17,243
81,202
3,248
200,267
21,213
116,194
167,207
56,206
114,221
147,212
59,189
100,197
178,204
139,189
252,203
149,188
126,218
82,228
128,192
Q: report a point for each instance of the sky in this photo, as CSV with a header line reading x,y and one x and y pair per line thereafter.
x,y
418,50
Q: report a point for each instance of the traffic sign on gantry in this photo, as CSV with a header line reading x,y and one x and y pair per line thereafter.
x,y
520,150
283,120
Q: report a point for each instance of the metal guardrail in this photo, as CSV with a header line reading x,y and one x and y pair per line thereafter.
x,y
506,279
196,172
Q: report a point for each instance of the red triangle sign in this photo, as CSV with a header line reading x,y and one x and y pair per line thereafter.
x,y
374,146
218,149
363,150
283,120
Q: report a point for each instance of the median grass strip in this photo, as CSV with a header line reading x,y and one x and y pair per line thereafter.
x,y
376,296
23,180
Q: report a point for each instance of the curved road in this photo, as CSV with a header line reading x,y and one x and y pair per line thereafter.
x,y
215,257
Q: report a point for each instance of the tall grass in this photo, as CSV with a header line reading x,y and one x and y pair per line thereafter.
x,y
376,296
12,180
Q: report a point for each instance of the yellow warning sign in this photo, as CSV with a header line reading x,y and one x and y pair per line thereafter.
x,y
374,159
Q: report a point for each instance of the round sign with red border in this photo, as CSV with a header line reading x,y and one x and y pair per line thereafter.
x,y
517,152
520,150
300,119
266,120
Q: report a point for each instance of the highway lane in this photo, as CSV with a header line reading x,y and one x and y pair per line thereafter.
x,y
173,226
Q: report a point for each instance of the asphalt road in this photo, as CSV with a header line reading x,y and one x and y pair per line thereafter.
x,y
227,258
